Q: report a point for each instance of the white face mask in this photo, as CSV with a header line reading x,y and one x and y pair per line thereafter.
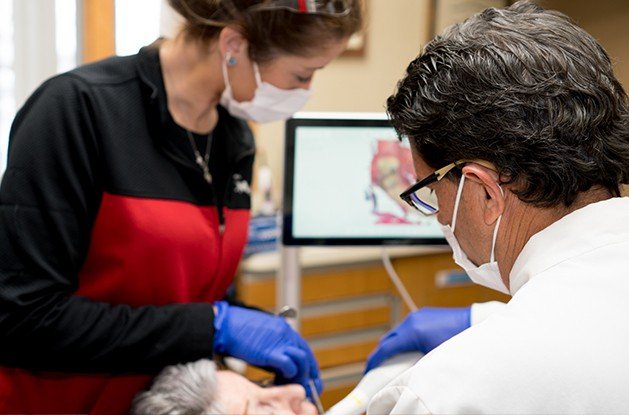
x,y
488,274
269,102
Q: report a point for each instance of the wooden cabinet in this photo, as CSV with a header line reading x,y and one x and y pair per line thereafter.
x,y
348,304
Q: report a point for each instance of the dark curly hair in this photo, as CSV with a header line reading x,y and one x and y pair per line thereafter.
x,y
523,88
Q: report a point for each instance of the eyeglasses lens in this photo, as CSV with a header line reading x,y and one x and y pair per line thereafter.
x,y
425,200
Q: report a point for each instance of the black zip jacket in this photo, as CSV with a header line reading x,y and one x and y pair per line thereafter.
x,y
112,245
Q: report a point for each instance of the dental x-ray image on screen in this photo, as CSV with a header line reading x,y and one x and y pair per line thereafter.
x,y
343,176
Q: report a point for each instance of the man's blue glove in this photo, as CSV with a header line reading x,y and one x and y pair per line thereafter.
x,y
421,330
266,341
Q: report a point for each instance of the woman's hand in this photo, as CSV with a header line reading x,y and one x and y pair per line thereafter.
x,y
266,341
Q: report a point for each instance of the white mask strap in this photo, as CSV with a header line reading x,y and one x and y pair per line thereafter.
x,y
456,201
256,72
225,75
493,241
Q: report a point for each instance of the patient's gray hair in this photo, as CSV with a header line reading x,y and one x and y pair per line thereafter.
x,y
184,389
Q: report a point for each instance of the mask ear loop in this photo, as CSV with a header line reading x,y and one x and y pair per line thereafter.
x,y
228,61
456,201
493,241
256,72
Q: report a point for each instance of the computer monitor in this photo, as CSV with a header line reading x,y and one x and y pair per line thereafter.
x,y
343,173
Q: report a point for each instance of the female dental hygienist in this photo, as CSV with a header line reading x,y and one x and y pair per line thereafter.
x,y
125,204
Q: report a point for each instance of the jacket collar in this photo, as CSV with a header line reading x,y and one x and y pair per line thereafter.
x,y
593,226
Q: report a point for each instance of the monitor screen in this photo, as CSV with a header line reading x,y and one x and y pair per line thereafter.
x,y
343,176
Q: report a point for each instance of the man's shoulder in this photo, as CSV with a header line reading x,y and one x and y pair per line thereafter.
x,y
463,373
397,398
523,357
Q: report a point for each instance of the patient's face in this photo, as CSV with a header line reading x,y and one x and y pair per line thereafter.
x,y
239,396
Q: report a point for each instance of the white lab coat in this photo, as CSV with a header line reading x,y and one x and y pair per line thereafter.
x,y
560,346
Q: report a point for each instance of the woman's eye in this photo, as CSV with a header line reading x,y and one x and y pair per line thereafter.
x,y
304,79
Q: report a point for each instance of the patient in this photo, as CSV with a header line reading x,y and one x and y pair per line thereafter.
x,y
198,388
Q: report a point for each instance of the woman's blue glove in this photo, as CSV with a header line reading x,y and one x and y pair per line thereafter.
x,y
421,330
266,341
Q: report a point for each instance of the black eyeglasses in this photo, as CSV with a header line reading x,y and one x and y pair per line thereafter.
x,y
423,198
327,7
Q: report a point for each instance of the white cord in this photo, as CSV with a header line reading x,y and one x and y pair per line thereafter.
x,y
395,279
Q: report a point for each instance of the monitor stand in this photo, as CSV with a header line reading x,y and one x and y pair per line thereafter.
x,y
288,287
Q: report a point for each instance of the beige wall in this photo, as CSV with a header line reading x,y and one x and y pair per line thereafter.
x,y
396,30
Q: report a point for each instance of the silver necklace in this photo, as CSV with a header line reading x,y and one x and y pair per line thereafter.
x,y
202,161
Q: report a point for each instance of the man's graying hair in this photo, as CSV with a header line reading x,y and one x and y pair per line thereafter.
x,y
525,89
184,389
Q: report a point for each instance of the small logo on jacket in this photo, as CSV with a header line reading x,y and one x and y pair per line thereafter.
x,y
241,185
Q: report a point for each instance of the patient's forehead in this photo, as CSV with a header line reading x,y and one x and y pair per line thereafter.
x,y
233,391
231,377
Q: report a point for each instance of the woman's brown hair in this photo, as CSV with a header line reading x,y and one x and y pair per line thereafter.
x,y
268,29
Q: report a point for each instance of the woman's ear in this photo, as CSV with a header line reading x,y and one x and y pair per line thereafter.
x,y
493,200
232,42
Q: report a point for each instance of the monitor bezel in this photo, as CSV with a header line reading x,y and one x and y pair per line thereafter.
x,y
288,239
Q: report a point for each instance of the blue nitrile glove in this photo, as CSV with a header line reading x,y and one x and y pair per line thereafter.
x,y
266,341
421,330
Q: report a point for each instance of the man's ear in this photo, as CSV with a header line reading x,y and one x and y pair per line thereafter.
x,y
493,203
233,42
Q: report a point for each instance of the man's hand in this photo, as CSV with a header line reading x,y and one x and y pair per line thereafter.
x,y
422,330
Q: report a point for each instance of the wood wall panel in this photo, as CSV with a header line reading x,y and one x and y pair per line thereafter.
x,y
345,321
320,287
98,29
